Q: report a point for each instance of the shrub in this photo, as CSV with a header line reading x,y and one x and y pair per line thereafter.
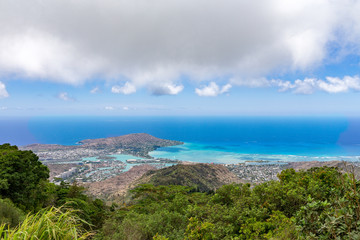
x,y
9,214
48,224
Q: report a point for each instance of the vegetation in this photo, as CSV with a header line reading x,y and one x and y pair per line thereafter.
x,y
47,224
320,203
20,175
24,189
201,177
10,215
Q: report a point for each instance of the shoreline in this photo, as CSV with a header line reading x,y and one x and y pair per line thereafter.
x,y
209,155
98,159
97,170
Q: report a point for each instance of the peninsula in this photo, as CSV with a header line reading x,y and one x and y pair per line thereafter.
x,y
137,144
94,160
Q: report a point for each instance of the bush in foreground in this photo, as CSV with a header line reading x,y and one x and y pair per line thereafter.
x,y
9,214
51,224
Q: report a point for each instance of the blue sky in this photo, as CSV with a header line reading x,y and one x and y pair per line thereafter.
x,y
179,57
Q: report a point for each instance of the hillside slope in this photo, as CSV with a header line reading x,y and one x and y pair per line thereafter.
x,y
117,186
203,177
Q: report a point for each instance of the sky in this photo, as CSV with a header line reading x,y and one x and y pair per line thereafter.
x,y
179,57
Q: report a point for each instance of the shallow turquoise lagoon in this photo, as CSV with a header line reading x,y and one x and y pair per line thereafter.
x,y
204,153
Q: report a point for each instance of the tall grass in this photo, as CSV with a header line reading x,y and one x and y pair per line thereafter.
x,y
51,224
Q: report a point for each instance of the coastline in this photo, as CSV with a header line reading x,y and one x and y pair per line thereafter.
x,y
207,153
96,160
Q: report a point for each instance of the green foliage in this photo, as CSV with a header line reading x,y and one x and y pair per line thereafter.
x,y
20,175
230,194
159,237
201,177
320,203
197,230
72,196
47,224
9,214
335,218
294,188
160,211
23,179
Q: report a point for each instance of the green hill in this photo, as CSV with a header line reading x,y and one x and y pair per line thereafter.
x,y
203,177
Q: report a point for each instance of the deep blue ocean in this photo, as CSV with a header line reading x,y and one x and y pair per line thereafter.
x,y
207,139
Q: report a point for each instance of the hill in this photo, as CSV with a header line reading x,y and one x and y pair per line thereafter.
x,y
203,177
117,187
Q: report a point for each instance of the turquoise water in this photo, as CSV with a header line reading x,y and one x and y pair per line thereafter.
x,y
118,157
123,158
207,139
232,155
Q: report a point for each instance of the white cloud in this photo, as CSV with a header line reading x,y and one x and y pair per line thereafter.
x,y
3,108
225,88
95,90
126,108
154,43
310,85
306,86
166,89
128,88
3,92
39,54
109,108
250,82
212,90
65,96
336,85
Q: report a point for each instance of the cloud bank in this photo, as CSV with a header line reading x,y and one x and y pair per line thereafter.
x,y
151,44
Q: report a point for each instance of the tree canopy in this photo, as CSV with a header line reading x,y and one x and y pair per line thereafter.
x,y
20,175
320,203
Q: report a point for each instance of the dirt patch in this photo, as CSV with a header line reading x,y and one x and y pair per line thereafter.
x,y
113,187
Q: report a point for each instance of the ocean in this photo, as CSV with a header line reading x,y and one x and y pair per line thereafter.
x,y
207,139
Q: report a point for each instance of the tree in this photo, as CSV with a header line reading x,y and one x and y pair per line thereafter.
x,y
20,175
